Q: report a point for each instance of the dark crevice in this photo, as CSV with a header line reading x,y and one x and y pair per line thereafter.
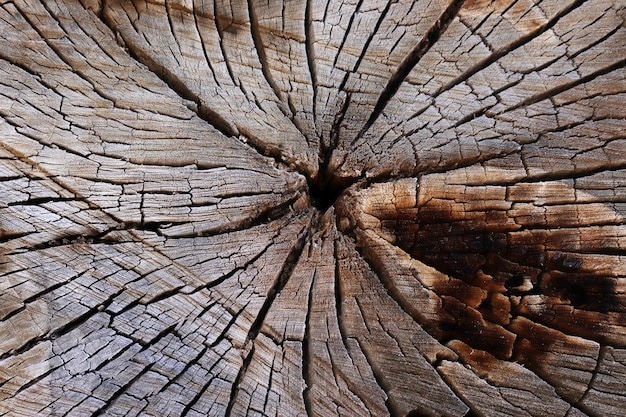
x,y
35,380
59,50
114,357
152,342
594,44
9,235
494,57
121,391
263,148
251,261
236,384
341,325
175,83
564,175
27,301
162,296
338,297
270,379
203,43
224,23
521,41
61,330
266,216
324,195
528,178
306,359
168,12
365,48
580,404
284,275
391,405
567,86
223,334
324,190
567,55
335,132
74,239
260,50
212,117
310,53
29,71
37,201
410,61
198,396
471,116
347,31
471,413
174,379
202,391
326,187
288,110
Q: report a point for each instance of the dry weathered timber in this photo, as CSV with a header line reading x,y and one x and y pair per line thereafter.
x,y
272,208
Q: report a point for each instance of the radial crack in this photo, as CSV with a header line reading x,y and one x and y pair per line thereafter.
x,y
309,33
410,61
284,275
260,50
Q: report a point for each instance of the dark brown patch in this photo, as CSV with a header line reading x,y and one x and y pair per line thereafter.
x,y
534,341
228,24
583,290
468,325
482,362
491,266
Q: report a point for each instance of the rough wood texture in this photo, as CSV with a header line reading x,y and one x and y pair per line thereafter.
x,y
289,208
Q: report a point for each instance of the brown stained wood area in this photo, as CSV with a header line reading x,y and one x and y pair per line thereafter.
x,y
312,208
492,275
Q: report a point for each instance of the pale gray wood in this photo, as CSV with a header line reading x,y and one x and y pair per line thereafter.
x,y
288,208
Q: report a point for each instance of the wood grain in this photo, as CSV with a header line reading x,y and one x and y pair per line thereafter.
x,y
303,207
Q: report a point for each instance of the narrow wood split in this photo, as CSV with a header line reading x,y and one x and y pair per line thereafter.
x,y
313,208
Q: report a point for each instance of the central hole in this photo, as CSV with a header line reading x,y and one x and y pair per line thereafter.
x,y
326,188
328,185
323,195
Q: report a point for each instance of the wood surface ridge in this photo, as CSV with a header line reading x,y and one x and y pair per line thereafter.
x,y
313,208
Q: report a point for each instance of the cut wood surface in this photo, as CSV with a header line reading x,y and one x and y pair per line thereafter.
x,y
312,208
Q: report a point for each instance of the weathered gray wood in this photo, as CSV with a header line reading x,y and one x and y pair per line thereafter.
x,y
287,208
